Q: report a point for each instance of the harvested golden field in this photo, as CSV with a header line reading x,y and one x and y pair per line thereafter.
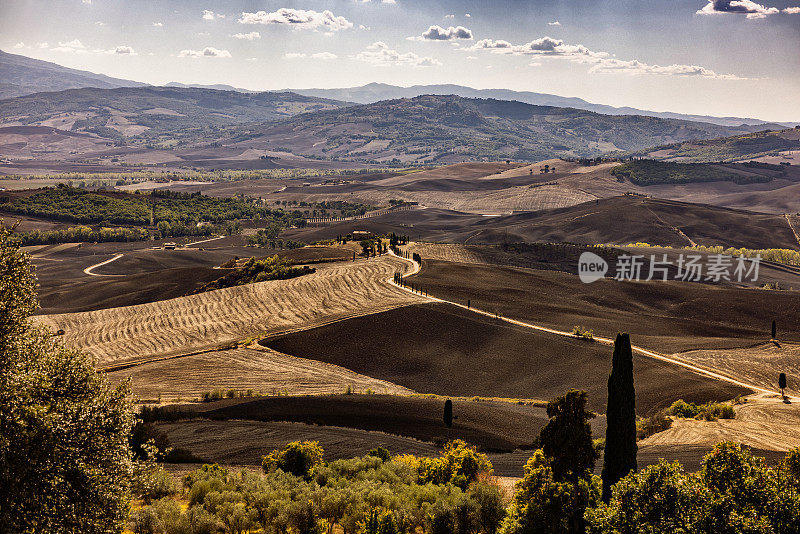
x,y
762,422
263,370
759,365
135,334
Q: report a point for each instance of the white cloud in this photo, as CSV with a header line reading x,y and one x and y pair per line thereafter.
x,y
748,7
299,18
158,24
123,50
208,51
19,45
389,2
792,10
379,54
601,62
318,55
99,23
252,36
467,15
449,16
210,15
554,23
437,33
42,45
87,2
638,67
74,46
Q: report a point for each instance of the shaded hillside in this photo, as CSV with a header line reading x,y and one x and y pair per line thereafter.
x,y
444,129
646,172
727,149
22,75
155,113
617,220
375,92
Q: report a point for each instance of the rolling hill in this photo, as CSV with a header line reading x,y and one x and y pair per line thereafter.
x,y
375,92
764,145
153,113
449,129
23,75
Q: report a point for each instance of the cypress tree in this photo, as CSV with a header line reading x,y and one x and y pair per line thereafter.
x,y
774,330
620,451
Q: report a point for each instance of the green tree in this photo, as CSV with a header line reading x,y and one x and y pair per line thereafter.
x,y
544,505
660,498
65,461
297,458
621,448
567,437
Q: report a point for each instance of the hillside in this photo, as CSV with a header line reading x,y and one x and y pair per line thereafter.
x,y
447,129
153,114
770,146
375,92
22,75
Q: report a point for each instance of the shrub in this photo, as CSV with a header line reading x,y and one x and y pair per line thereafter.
x,y
378,521
710,411
583,333
380,452
297,458
460,464
652,425
145,521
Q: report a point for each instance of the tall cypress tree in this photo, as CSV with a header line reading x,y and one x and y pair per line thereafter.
x,y
620,451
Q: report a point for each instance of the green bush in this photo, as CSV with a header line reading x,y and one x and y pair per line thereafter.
x,y
710,411
297,458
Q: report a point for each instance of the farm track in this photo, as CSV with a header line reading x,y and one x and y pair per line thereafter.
x,y
606,341
159,330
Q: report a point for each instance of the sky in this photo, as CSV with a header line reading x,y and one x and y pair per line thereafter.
x,y
720,57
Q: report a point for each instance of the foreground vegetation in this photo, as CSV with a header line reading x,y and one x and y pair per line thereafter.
x,y
71,461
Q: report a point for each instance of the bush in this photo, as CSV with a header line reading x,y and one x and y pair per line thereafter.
x,y
583,333
652,425
380,452
460,464
710,411
297,458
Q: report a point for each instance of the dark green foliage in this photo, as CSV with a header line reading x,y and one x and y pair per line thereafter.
x,y
257,270
782,381
380,452
567,437
652,172
733,493
76,205
710,411
544,505
737,148
297,458
620,450
65,463
448,413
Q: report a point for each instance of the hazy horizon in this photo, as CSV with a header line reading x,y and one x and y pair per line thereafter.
x,y
717,58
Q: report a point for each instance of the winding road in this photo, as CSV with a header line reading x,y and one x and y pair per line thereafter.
x,y
91,268
606,341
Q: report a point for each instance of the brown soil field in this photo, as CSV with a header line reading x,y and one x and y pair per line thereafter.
x,y
143,273
442,349
243,443
564,257
262,370
215,319
663,316
490,425
618,220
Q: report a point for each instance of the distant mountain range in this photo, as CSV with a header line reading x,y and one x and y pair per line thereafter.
x,y
446,129
21,75
375,92
155,114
